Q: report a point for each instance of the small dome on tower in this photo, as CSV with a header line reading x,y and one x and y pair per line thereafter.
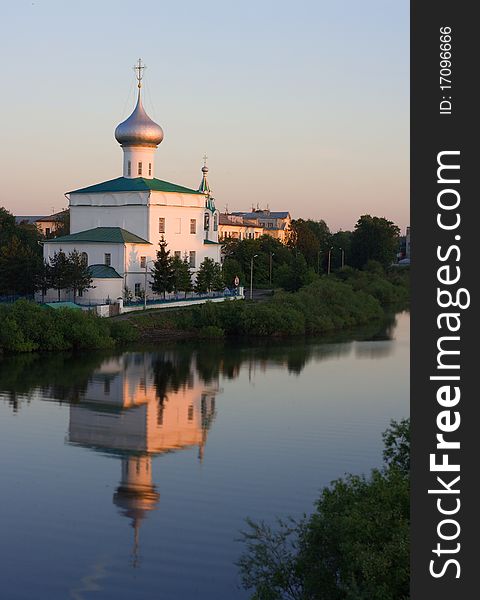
x,y
139,129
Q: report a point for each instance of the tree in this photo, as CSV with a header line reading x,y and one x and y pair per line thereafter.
x,y
60,272
341,240
232,269
218,283
209,276
182,275
354,546
20,267
312,239
79,278
7,226
238,255
374,238
20,256
293,277
44,282
63,224
162,272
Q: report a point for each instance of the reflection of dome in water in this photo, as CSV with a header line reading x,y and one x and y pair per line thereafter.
x,y
136,494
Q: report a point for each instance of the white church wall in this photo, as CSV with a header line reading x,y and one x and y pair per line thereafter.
x,y
178,210
132,217
103,290
95,252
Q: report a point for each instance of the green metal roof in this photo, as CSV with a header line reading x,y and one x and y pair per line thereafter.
x,y
136,184
63,305
102,235
103,272
212,242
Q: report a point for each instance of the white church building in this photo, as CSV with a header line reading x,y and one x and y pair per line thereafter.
x,y
118,224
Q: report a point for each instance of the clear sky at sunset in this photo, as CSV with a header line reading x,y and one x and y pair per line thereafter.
x,y
303,106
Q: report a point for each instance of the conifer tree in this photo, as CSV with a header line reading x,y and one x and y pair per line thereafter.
x,y
60,272
79,275
162,272
182,275
218,283
209,276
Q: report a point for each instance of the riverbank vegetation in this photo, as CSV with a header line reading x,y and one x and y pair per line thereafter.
x,y
329,303
26,327
347,299
355,545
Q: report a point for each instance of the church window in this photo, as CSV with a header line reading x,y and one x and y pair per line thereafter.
x,y
80,293
192,259
139,168
47,230
206,221
137,289
215,223
190,412
149,168
193,225
108,259
161,225
143,262
84,257
129,168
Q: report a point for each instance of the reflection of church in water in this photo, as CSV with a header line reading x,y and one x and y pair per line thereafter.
x,y
136,406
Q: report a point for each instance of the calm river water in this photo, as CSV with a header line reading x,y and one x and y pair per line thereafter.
x,y
129,476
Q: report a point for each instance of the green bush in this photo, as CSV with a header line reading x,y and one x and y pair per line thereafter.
x,y
355,545
123,332
210,332
26,327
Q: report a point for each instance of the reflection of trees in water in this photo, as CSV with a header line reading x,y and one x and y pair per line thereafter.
x,y
171,371
64,376
373,350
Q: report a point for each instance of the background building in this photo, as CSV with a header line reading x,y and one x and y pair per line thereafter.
x,y
251,225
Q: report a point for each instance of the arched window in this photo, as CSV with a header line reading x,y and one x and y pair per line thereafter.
x,y
206,221
139,168
215,223
84,258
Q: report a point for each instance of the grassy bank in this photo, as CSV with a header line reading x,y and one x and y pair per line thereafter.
x,y
328,304
341,301
26,327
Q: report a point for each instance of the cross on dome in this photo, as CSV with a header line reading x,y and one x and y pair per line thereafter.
x,y
139,67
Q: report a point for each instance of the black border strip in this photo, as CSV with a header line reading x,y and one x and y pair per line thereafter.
x,y
432,133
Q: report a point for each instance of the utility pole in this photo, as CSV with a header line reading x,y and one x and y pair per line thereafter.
x,y
251,276
329,259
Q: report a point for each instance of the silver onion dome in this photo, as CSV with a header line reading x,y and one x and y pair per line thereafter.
x,y
139,129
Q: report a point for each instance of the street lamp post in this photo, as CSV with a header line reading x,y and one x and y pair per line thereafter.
x,y
329,259
251,276
271,265
145,288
